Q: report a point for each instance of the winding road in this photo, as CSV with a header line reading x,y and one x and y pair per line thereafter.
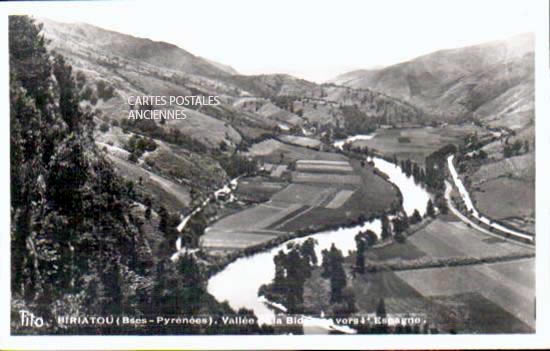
x,y
469,205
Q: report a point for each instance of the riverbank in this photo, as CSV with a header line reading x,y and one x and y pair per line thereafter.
x,y
221,262
256,263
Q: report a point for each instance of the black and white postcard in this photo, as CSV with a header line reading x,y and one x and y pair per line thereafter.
x,y
313,174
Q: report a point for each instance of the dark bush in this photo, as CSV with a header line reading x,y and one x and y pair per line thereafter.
x,y
104,127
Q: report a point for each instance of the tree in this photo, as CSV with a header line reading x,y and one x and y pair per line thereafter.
x,y
360,253
132,157
386,230
405,222
307,249
236,165
416,172
29,60
68,96
195,228
112,281
381,308
482,154
163,223
347,306
191,286
442,205
74,236
430,211
416,217
381,313
223,146
291,271
104,127
516,147
325,265
507,151
512,149
104,91
338,275
397,225
371,237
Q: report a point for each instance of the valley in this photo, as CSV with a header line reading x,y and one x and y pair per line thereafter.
x,y
398,191
319,193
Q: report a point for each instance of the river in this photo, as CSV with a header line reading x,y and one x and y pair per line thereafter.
x,y
340,143
238,282
414,195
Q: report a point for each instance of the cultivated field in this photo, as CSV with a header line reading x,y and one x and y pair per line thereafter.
x,y
219,239
270,150
519,167
303,177
371,194
257,217
340,199
506,197
455,239
415,143
311,200
500,283
505,189
258,189
301,141
305,194
480,298
323,166
469,312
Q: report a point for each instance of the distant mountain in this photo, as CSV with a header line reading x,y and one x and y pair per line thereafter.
x,y
225,68
87,37
110,67
136,66
493,82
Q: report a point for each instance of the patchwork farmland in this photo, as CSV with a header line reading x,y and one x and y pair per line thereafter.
x,y
501,283
475,298
276,152
415,143
321,191
509,285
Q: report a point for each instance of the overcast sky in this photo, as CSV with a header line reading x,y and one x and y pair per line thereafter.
x,y
314,40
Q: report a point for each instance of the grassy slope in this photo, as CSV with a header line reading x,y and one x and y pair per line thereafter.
x,y
490,80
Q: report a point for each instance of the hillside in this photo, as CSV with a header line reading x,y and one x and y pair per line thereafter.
x,y
85,241
491,82
111,66
492,85
85,38
136,66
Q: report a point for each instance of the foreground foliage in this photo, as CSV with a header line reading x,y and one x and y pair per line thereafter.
x,y
78,247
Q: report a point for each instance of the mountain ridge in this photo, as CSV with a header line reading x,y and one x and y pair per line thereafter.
x,y
138,48
451,84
